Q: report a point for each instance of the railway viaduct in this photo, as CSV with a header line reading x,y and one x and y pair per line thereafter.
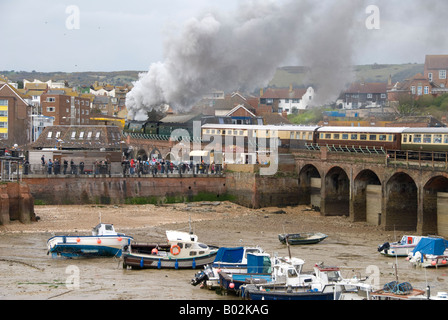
x,y
383,191
375,188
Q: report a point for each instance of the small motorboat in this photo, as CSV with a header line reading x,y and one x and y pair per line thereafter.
x,y
430,252
400,248
302,238
228,259
183,251
104,241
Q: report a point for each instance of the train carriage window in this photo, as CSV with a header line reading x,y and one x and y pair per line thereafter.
x,y
345,136
405,138
354,136
372,137
382,137
445,138
426,138
391,137
229,131
321,135
328,136
363,137
213,131
241,132
418,138
292,135
208,130
218,131
336,136
437,138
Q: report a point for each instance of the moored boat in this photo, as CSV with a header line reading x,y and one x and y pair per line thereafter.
x,y
228,259
104,241
430,252
183,251
400,248
301,238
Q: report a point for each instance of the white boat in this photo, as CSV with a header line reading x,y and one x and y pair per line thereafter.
x,y
182,251
400,248
229,260
430,252
290,283
104,241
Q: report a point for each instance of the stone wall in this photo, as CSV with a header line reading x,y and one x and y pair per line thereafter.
x,y
117,190
16,203
255,191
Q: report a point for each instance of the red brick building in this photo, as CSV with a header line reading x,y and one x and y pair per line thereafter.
x,y
66,109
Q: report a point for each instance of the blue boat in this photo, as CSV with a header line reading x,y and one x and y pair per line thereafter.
x,y
259,270
228,259
430,252
104,242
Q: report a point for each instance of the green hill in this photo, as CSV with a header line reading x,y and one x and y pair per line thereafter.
x,y
297,76
282,79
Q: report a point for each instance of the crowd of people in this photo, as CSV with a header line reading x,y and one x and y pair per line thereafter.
x,y
56,167
161,166
130,167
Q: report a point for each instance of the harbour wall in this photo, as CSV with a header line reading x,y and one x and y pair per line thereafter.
x,y
118,190
16,203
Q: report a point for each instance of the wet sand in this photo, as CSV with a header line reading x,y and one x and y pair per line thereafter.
x,y
28,273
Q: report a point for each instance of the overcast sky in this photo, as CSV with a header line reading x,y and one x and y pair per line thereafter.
x,y
115,35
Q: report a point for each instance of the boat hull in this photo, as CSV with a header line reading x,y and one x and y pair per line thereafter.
x,y
87,246
139,261
302,238
257,293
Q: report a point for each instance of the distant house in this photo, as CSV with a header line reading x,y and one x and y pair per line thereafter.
x,y
284,100
242,115
365,95
436,67
414,87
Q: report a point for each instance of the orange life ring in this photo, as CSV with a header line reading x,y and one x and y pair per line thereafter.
x,y
175,250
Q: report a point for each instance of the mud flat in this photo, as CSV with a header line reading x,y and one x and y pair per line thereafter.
x,y
31,274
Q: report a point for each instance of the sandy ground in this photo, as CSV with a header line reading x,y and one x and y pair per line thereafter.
x,y
31,274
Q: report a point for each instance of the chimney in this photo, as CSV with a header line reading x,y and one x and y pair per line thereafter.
x,y
290,87
261,92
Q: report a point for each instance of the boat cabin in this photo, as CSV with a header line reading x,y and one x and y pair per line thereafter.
x,y
104,229
327,274
185,245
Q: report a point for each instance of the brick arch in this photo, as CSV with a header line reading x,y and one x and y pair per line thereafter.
x,y
434,203
336,192
401,203
309,186
366,203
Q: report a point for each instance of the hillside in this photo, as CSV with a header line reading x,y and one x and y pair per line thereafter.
x,y
117,78
297,76
282,79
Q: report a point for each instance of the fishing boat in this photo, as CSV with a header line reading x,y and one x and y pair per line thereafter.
x,y
183,251
400,248
104,241
228,259
259,292
430,252
259,270
302,238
